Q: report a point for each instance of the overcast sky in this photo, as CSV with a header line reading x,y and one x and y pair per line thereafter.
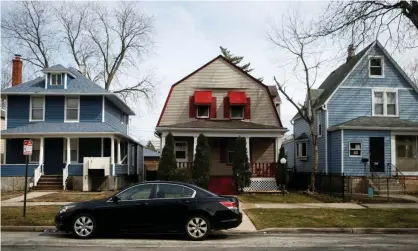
x,y
188,35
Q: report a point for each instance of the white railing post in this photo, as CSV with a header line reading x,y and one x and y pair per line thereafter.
x,y
65,176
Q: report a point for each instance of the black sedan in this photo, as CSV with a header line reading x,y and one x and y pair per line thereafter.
x,y
153,207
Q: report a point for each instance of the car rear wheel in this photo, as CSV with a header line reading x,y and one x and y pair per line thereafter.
x,y
84,226
197,227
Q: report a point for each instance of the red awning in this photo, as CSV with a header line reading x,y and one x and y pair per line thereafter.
x,y
237,98
203,97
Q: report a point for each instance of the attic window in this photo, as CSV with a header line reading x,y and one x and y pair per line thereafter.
x,y
56,79
376,67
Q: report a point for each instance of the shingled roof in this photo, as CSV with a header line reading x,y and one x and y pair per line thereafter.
x,y
374,123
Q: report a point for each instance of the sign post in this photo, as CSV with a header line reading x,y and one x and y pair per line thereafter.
x,y
27,150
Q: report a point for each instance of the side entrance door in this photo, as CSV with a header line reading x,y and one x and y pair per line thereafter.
x,y
377,154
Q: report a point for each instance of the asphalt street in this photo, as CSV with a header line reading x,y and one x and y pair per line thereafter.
x,y
243,242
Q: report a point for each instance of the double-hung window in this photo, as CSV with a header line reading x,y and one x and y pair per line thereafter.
x,y
376,69
355,150
302,150
180,148
73,150
202,111
385,103
72,109
37,108
230,151
237,112
36,149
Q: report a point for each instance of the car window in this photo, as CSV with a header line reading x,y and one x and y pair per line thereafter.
x,y
170,191
140,192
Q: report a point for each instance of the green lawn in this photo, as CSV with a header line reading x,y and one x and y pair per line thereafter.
x,y
288,198
298,218
35,216
72,196
10,194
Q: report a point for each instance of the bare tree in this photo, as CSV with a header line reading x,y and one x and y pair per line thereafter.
x,y
364,21
413,71
289,38
27,27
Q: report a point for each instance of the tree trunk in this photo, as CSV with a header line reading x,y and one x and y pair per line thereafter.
x,y
316,157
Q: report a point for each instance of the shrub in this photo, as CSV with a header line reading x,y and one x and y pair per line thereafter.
x,y
168,159
240,165
201,163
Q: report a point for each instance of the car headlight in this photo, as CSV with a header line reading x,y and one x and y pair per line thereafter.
x,y
65,209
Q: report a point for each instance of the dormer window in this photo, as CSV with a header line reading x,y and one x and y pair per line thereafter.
x,y
202,111
237,112
56,79
376,67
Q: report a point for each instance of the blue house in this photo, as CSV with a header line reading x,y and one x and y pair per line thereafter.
x,y
366,119
68,118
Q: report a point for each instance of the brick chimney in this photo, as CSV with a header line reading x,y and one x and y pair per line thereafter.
x,y
351,52
17,70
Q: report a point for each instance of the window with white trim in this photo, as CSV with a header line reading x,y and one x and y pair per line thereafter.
x,y
237,112
180,150
72,109
230,151
37,108
202,111
73,150
376,67
385,103
355,149
302,149
319,123
56,79
36,149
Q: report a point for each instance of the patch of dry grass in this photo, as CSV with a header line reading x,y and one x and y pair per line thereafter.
x,y
10,194
35,216
72,196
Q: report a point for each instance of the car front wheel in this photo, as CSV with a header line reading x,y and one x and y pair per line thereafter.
x,y
84,226
197,228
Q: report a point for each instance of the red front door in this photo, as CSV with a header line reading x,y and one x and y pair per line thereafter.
x,y
222,185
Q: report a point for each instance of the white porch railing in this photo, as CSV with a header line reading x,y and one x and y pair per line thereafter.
x,y
37,174
65,176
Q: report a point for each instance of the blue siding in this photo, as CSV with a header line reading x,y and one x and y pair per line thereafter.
x,y
54,108
17,111
75,170
353,165
290,154
408,104
360,75
113,116
91,108
121,169
321,144
349,104
49,86
16,170
334,152
300,126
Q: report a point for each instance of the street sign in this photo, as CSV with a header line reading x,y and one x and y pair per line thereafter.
x,y
27,147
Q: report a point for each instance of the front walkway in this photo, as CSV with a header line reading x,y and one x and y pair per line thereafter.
x,y
303,205
29,195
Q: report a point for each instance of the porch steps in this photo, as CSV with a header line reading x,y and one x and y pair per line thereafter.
x,y
385,186
50,182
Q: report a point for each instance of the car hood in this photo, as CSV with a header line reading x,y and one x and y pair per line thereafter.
x,y
88,203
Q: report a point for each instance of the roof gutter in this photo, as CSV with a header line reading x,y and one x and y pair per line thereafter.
x,y
377,128
220,129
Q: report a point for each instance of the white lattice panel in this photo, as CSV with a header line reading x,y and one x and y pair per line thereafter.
x,y
261,184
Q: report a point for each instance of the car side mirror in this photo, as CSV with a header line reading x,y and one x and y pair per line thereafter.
x,y
115,199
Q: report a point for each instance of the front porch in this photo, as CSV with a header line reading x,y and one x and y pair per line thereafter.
x,y
65,157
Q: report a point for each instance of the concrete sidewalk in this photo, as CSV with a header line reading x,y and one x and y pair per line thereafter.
x,y
18,204
392,206
29,195
304,205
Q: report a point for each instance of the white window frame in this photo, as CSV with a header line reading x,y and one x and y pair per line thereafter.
x,y
202,117
30,108
30,156
382,65
65,150
65,110
299,151
60,76
230,149
349,149
243,111
385,91
319,123
186,159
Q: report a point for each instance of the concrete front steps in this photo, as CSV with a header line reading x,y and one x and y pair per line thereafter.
x,y
382,186
49,182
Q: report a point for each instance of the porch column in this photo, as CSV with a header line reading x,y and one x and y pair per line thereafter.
x,y
101,147
68,150
41,151
247,142
162,143
112,150
119,158
277,146
194,145
129,157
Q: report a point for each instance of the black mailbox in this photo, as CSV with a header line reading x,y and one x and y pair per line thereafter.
x,y
364,160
